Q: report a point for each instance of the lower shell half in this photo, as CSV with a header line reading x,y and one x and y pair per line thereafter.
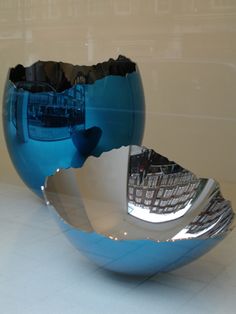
x,y
133,211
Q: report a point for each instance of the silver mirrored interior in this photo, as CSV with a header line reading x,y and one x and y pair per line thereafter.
x,y
135,193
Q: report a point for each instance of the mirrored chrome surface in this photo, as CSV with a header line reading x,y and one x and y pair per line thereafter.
x,y
56,114
135,200
186,52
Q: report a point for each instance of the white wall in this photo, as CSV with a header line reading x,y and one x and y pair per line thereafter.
x,y
186,51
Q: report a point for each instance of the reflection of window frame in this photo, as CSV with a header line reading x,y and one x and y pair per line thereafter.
x,y
73,9
27,8
122,12
53,10
38,115
223,4
159,10
190,6
97,10
5,5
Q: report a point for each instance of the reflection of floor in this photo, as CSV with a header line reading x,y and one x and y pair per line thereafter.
x,y
40,272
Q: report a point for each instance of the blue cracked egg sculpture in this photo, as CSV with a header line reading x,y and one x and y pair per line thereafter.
x,y
56,114
74,134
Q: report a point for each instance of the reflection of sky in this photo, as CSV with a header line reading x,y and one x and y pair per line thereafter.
x,y
145,214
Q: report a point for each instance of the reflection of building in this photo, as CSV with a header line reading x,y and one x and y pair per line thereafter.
x,y
50,115
218,209
160,191
149,161
159,185
55,109
211,222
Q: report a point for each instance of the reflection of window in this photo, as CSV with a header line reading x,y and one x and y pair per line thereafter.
x,y
7,4
53,9
96,7
44,115
122,7
138,200
139,193
73,8
221,4
27,9
149,194
131,190
147,202
162,6
188,5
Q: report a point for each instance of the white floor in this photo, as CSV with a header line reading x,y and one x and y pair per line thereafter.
x,y
40,272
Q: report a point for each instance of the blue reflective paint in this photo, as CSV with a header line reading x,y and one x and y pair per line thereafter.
x,y
48,128
106,114
136,257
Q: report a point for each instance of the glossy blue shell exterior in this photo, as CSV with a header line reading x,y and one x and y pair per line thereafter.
x,y
113,116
